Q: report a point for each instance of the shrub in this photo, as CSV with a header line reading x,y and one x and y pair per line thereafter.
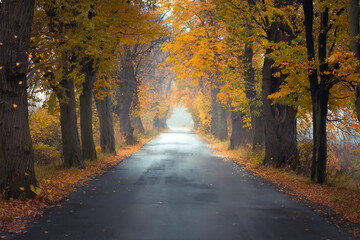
x,y
45,128
305,157
45,154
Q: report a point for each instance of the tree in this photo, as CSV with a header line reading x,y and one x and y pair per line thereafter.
x,y
16,152
87,139
319,91
68,120
196,53
125,94
353,9
104,108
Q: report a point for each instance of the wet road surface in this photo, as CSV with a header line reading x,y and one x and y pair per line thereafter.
x,y
175,188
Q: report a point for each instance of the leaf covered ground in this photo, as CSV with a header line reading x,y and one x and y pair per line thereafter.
x,y
338,205
52,190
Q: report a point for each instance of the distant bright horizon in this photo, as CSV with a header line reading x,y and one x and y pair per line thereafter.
x,y
180,118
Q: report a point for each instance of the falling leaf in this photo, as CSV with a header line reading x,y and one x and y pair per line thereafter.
x,y
46,232
22,188
26,174
1,43
15,36
20,82
17,64
0,67
14,105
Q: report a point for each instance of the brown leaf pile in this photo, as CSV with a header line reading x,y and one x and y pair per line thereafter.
x,y
16,214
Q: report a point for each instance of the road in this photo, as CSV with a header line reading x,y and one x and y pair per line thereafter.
x,y
176,188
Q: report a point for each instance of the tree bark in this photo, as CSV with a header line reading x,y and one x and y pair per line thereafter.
x,y
319,92
125,96
218,119
69,129
279,120
239,134
87,137
354,14
138,125
214,112
16,153
107,137
257,123
222,123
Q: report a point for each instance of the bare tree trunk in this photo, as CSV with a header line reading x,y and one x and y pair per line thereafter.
x,y
107,138
222,123
258,130
87,138
69,129
125,96
354,15
218,119
279,120
214,112
319,92
138,125
16,152
239,134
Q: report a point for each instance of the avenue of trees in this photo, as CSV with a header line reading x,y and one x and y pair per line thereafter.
x,y
80,60
269,66
257,72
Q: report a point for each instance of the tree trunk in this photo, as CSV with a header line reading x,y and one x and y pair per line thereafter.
x,y
222,123
239,134
160,122
138,126
218,119
354,15
320,106
107,138
69,129
250,91
125,96
87,138
319,92
16,152
279,120
320,110
258,131
214,112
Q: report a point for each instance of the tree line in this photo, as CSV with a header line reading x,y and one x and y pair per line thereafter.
x,y
67,54
267,65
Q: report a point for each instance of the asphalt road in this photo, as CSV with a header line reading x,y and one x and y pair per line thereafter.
x,y
175,188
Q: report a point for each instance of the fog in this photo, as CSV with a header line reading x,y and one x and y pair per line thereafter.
x,y
180,119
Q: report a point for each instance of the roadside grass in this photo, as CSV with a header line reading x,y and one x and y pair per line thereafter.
x,y
56,183
339,195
